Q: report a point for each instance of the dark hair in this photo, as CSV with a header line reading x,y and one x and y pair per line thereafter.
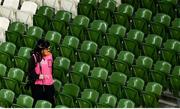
x,y
39,45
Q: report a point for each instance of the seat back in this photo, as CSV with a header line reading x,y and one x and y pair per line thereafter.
x,y
71,89
11,4
143,13
3,70
35,31
153,39
108,99
162,18
136,83
118,77
126,56
46,11
7,95
43,104
17,27
99,25
176,23
71,41
176,71
144,61
108,4
154,88
126,9
63,15
29,6
125,103
108,51
172,44
25,101
81,67
57,85
25,52
116,29
81,20
89,47
62,62
16,74
90,94
8,47
135,35
53,36
162,66
4,23
100,73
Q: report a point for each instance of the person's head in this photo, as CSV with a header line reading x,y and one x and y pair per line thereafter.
x,y
42,47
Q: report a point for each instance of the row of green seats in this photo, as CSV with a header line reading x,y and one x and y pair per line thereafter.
x,y
132,91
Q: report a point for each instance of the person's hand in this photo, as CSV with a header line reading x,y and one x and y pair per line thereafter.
x,y
41,76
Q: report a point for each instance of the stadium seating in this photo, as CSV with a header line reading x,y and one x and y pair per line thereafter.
x,y
4,24
2,74
43,104
6,97
174,29
125,103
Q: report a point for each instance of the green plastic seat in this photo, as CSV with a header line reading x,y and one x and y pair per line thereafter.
x,y
14,79
115,36
6,98
116,81
142,19
167,7
152,46
79,74
43,17
125,103
133,41
22,59
87,8
106,57
97,78
7,51
69,94
143,67
132,90
124,14
87,52
60,21
88,99
170,51
160,73
151,94
43,104
107,101
175,28
159,25
97,30
69,47
79,26
57,85
2,74
60,68
15,33
54,38
61,106
124,62
134,3
174,81
34,33
105,10
24,101
149,4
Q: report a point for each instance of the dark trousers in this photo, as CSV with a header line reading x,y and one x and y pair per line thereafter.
x,y
43,92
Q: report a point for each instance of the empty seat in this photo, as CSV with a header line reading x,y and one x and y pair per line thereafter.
x,y
14,79
43,104
159,25
69,47
141,19
87,8
26,12
22,59
132,91
52,3
174,81
79,27
175,28
4,24
54,38
115,84
7,51
60,68
89,98
125,103
115,36
79,74
57,86
69,5
87,52
152,46
133,41
170,51
106,57
6,98
167,7
151,94
107,101
97,31
68,95
143,67
124,14
33,34
24,101
160,73
9,8
149,4
60,22
105,10
15,33
124,62
2,75
97,79
43,17
135,3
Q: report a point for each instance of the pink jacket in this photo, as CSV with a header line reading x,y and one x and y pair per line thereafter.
x,y
46,66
